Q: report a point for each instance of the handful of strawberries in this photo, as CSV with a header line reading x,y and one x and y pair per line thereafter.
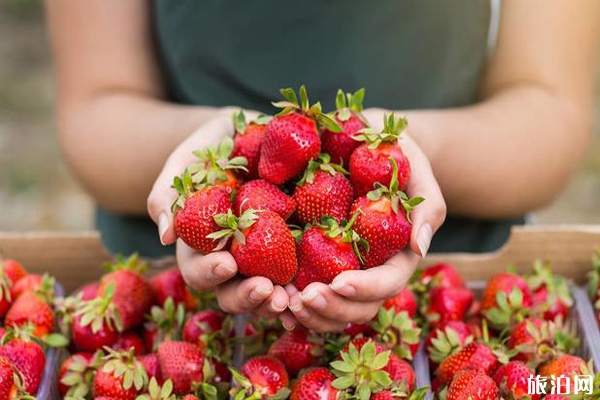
x,y
280,199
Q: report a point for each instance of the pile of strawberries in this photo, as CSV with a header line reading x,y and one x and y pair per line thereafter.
x,y
594,283
134,337
488,349
26,306
302,196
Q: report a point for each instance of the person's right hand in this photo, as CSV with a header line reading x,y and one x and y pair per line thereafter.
x,y
216,270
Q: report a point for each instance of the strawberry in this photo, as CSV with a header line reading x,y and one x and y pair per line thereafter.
x,y
262,244
512,380
151,366
403,301
155,391
89,291
13,270
326,251
440,275
401,373
248,141
133,295
297,349
182,363
129,340
29,283
215,167
96,322
398,331
475,355
262,195
211,331
473,385
594,278
6,297
26,356
261,377
8,380
292,137
164,323
383,220
354,329
400,393
31,308
371,162
550,293
121,376
194,210
447,339
76,375
323,191
555,397
315,384
170,283
506,300
447,304
340,145
564,365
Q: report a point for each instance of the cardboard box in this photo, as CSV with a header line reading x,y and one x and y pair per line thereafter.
x,y
75,258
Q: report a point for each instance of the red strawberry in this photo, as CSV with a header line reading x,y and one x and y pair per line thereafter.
x,y
505,300
133,295
555,397
564,365
121,377
297,349
8,380
30,308
315,384
474,385
323,191
151,366
403,301
262,244
215,167
182,363
400,392
326,251
512,380
129,340
447,339
26,356
194,211
398,331
263,377
473,356
292,137
6,298
441,275
210,330
76,375
89,291
262,195
355,329
164,323
401,372
29,283
13,270
96,323
447,304
383,221
371,162
550,292
248,140
170,283
340,145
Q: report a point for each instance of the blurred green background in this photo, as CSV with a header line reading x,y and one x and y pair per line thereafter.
x,y
36,188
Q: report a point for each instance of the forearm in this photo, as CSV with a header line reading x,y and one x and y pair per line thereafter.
x,y
505,156
117,142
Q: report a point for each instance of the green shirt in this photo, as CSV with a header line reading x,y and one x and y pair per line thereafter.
x,y
406,53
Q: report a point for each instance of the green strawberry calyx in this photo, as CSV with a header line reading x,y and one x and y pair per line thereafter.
x,y
233,226
344,230
5,287
168,320
315,111
594,276
361,373
396,196
392,129
100,311
213,162
240,123
557,286
349,104
509,310
124,364
398,330
79,376
321,163
246,390
446,343
157,392
131,263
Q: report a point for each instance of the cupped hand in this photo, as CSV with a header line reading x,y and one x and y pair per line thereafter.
x,y
215,271
355,296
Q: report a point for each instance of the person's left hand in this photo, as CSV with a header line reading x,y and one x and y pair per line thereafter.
x,y
355,296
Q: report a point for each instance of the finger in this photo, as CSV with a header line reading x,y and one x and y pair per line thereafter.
x,y
428,216
312,320
288,320
204,272
377,283
240,296
273,305
324,302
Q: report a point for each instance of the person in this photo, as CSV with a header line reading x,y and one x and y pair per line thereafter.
x,y
497,130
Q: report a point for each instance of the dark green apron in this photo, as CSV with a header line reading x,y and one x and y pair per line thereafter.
x,y
407,54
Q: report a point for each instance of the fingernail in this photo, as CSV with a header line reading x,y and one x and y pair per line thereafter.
x,y
341,287
309,295
279,305
264,289
163,225
259,293
424,239
295,306
318,302
224,271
